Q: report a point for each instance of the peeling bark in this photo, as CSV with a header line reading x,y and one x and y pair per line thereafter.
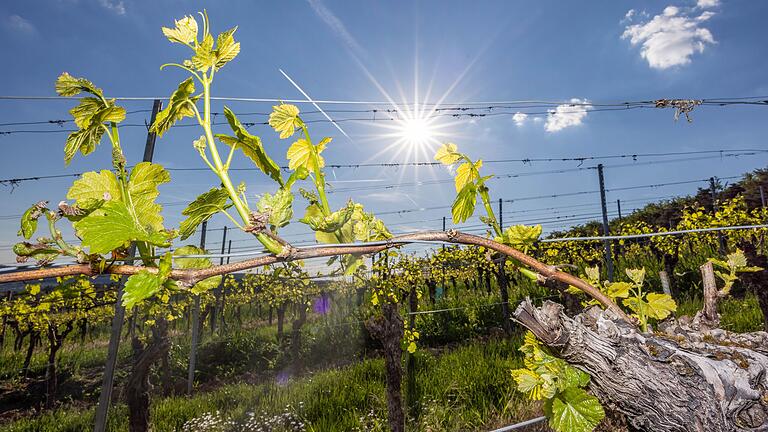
x,y
679,380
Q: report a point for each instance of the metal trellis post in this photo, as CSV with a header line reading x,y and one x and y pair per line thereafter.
x,y
102,410
195,324
606,243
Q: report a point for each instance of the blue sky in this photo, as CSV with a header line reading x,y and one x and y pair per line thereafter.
x,y
459,52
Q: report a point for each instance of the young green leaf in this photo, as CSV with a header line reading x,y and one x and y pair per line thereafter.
x,y
520,236
277,206
226,48
141,286
84,140
205,56
112,226
201,209
41,252
535,386
574,410
285,119
68,86
466,173
142,186
448,154
93,188
300,155
335,221
29,219
464,205
636,275
660,305
179,107
616,290
251,147
185,31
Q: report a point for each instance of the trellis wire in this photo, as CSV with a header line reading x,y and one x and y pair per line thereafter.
x,y
521,424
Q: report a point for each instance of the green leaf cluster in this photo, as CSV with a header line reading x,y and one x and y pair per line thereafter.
x,y
145,283
201,209
567,405
251,147
206,54
521,237
735,263
644,305
91,115
105,223
468,183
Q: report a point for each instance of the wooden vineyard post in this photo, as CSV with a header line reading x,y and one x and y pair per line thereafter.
x,y
410,362
105,397
195,323
709,311
665,283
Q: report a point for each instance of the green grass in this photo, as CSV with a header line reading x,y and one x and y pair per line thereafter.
x,y
469,388
737,315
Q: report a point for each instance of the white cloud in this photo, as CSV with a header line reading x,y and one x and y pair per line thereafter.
x,y
706,4
670,39
520,118
116,6
567,115
17,24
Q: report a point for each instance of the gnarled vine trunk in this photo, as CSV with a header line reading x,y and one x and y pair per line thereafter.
x,y
137,387
683,379
388,329
55,341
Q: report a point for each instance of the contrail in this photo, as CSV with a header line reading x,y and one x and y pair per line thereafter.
x,y
316,105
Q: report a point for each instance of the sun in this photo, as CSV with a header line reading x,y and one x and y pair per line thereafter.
x,y
416,131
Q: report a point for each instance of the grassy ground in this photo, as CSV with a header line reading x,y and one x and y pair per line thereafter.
x,y
463,380
469,388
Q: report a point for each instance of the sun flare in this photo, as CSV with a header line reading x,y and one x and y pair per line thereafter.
x,y
416,131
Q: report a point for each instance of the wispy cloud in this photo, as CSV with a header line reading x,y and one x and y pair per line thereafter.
x,y
17,24
567,115
706,4
116,6
338,27
520,118
672,37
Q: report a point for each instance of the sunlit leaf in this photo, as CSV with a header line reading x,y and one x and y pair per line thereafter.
x,y
141,286
185,31
301,155
465,173
112,226
201,209
277,206
464,205
67,85
226,48
285,119
660,305
179,106
142,186
251,147
448,154
29,219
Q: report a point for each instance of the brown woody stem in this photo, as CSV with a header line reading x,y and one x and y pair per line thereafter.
x,y
192,276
